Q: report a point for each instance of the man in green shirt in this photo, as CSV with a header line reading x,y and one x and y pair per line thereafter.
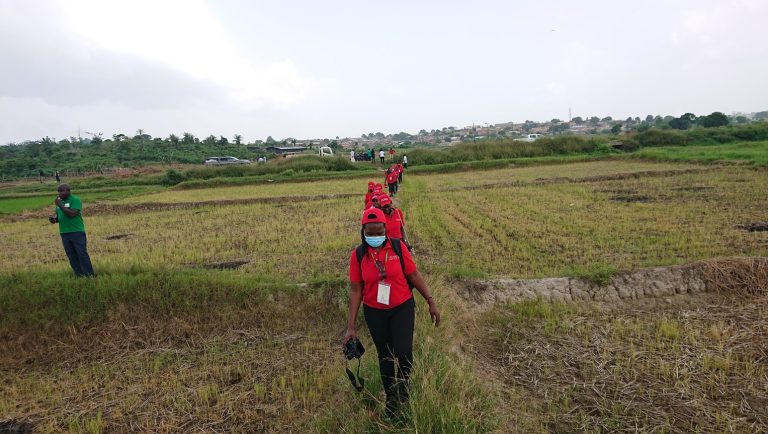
x,y
72,230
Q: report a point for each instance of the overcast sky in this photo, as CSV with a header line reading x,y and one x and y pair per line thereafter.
x,y
342,68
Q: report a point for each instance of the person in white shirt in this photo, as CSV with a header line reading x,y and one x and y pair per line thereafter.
x,y
381,155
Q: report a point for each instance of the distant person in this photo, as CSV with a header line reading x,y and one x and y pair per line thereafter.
x,y
42,175
395,219
381,274
381,155
391,182
391,154
369,194
352,156
372,155
72,229
58,177
399,169
405,161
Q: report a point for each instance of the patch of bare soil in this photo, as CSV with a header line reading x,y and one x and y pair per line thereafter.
x,y
117,237
15,427
694,188
738,275
226,265
630,198
754,227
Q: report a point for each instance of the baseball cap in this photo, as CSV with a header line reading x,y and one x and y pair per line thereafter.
x,y
384,200
373,215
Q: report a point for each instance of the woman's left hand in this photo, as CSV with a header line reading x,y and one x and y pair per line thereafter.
x,y
433,312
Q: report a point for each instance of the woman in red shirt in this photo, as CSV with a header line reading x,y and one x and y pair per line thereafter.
x,y
381,283
395,219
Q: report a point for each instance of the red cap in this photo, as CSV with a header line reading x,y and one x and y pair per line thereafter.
x,y
379,186
374,215
384,200
371,184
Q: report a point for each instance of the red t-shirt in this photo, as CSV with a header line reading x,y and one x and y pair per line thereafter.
x,y
391,178
395,224
366,272
368,196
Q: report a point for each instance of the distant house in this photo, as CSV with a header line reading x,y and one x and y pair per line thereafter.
x,y
280,150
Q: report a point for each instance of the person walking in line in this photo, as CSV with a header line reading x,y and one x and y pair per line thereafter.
x,y
399,169
372,154
58,177
369,194
395,220
391,182
72,230
391,154
405,161
381,155
381,274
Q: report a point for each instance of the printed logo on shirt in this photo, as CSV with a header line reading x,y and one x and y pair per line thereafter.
x,y
66,205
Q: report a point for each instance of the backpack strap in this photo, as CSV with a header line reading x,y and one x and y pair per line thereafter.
x,y
397,246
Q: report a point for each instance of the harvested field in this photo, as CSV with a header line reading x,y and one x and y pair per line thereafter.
x,y
220,309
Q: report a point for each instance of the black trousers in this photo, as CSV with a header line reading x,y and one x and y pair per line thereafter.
x,y
392,333
76,247
392,188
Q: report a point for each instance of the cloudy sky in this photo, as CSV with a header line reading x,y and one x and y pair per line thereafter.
x,y
343,68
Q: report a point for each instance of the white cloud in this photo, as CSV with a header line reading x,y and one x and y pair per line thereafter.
x,y
184,35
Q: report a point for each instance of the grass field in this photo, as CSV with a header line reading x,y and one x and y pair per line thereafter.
x,y
745,152
166,341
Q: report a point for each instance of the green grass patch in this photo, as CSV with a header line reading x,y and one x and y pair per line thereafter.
x,y
745,152
49,301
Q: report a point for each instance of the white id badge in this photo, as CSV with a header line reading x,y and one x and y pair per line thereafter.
x,y
382,296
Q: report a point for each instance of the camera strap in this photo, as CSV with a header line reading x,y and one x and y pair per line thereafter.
x,y
357,381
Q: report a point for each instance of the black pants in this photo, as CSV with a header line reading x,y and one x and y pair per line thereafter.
x,y
392,333
400,178
76,247
392,188
382,160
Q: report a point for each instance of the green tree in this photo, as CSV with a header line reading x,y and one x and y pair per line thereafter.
x,y
616,128
578,120
270,140
715,119
238,139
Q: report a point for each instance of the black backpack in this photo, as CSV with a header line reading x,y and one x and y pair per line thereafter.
x,y
397,246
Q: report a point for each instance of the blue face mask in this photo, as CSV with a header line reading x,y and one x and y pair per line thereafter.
x,y
375,241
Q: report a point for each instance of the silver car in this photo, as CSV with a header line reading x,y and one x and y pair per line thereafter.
x,y
220,161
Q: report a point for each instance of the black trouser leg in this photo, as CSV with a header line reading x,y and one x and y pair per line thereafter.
x,y
71,251
402,325
392,333
81,247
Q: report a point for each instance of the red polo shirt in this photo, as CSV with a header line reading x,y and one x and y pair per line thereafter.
x,y
368,196
395,223
367,273
391,178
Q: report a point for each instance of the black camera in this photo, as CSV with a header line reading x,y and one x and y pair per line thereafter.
x,y
354,349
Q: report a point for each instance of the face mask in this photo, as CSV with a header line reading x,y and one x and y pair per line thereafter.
x,y
375,241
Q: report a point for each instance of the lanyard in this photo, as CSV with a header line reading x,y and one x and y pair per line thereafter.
x,y
379,266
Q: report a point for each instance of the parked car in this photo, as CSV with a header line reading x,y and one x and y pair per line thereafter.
x,y
530,138
220,161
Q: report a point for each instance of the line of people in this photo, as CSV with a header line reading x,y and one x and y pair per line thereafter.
x,y
382,277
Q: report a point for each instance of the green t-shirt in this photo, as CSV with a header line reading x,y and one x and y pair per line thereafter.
x,y
69,224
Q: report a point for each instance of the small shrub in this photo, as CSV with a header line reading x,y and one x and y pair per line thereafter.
x,y
172,177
